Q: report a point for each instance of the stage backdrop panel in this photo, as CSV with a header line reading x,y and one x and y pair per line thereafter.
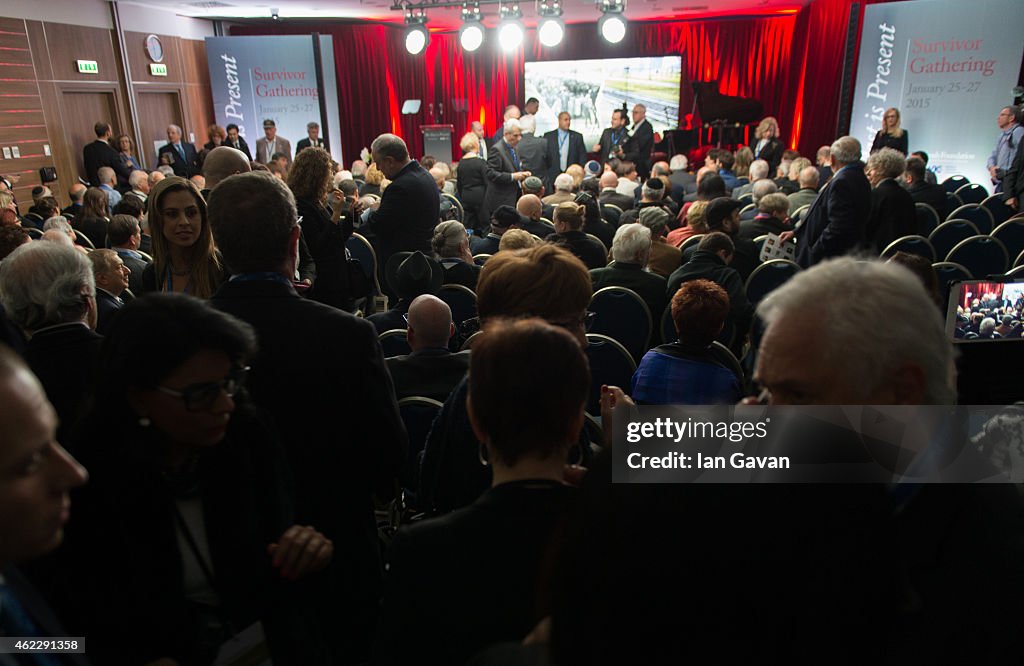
x,y
255,78
948,66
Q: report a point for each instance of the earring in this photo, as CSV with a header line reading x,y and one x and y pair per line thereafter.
x,y
481,455
144,421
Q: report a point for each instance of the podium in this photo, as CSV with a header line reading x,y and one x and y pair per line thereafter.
x,y
437,141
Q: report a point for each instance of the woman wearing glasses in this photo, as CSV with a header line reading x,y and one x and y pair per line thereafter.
x,y
183,541
185,259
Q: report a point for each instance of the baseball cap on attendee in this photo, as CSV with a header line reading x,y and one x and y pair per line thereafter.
x,y
269,123
533,184
506,216
592,169
720,209
412,274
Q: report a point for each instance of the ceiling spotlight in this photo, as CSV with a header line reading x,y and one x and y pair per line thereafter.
x,y
612,25
510,30
416,35
471,34
550,28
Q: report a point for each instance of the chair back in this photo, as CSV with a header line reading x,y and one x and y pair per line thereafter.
x,y
459,213
954,183
722,351
759,243
1011,233
974,213
468,342
997,206
972,193
749,207
692,241
611,213
593,237
981,255
33,233
394,343
418,414
746,199
927,218
84,240
460,299
614,208
918,245
360,248
623,316
610,364
799,214
949,233
1019,261
768,277
947,272
481,259
953,201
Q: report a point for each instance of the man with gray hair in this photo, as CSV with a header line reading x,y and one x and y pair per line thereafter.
x,y
631,249
180,155
505,170
108,181
763,187
563,190
312,139
318,368
48,291
431,370
758,171
111,275
511,113
680,177
834,224
533,150
808,192
139,182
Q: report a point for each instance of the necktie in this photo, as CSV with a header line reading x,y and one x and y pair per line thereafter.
x,y
515,158
181,151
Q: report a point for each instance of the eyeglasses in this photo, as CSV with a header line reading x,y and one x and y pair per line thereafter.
x,y
201,397
587,321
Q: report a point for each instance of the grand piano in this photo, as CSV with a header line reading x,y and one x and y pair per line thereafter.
x,y
725,115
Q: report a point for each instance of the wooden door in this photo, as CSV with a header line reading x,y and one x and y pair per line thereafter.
x,y
156,111
82,110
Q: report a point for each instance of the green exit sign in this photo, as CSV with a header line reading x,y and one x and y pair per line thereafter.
x,y
87,67
157,69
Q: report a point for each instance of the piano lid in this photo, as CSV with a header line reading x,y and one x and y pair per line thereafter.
x,y
713,106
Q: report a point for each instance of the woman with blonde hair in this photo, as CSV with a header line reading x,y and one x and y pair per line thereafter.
x,y
185,259
892,135
472,183
374,181
517,239
768,146
569,234
126,151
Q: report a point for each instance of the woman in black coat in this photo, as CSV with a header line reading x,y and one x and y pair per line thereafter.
x,y
471,184
768,146
891,135
183,537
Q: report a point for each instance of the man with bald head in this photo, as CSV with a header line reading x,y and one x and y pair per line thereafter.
x,y
179,154
431,370
609,193
222,162
76,193
531,208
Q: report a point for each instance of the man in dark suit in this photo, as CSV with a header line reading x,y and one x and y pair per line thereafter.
x,y
921,191
411,205
111,275
612,137
76,193
34,504
834,224
313,139
565,146
533,151
125,237
505,171
178,154
100,153
631,248
236,141
431,370
321,376
637,148
680,177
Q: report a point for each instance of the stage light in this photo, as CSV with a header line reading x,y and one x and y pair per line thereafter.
x,y
416,35
550,28
510,30
471,34
612,25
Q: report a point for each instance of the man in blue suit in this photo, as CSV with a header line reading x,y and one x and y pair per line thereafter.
x,y
180,155
835,223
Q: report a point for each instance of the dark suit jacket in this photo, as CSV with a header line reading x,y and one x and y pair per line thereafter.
x,y
98,154
577,151
591,252
933,195
608,142
771,153
537,228
534,156
762,225
407,214
242,146
186,169
649,286
501,189
107,306
431,373
137,266
685,180
707,265
461,273
94,228
326,244
1013,181
484,244
884,140
637,148
306,143
471,186
834,224
321,376
616,199
892,215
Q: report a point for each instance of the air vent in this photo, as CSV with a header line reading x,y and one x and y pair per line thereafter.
x,y
212,4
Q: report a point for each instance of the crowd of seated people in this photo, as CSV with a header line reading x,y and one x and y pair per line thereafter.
x,y
208,344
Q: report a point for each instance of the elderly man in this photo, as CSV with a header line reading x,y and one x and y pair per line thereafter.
x,y
431,370
892,213
312,139
48,290
530,208
511,113
505,170
563,190
36,474
271,144
680,177
652,195
410,207
637,148
664,257
834,224
609,194
100,153
758,171
761,188
125,237
180,155
808,192
321,376
1011,133
111,275
772,217
222,162
76,193
139,182
108,181
631,248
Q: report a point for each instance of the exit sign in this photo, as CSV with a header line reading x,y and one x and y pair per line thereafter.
x,y
87,67
157,69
